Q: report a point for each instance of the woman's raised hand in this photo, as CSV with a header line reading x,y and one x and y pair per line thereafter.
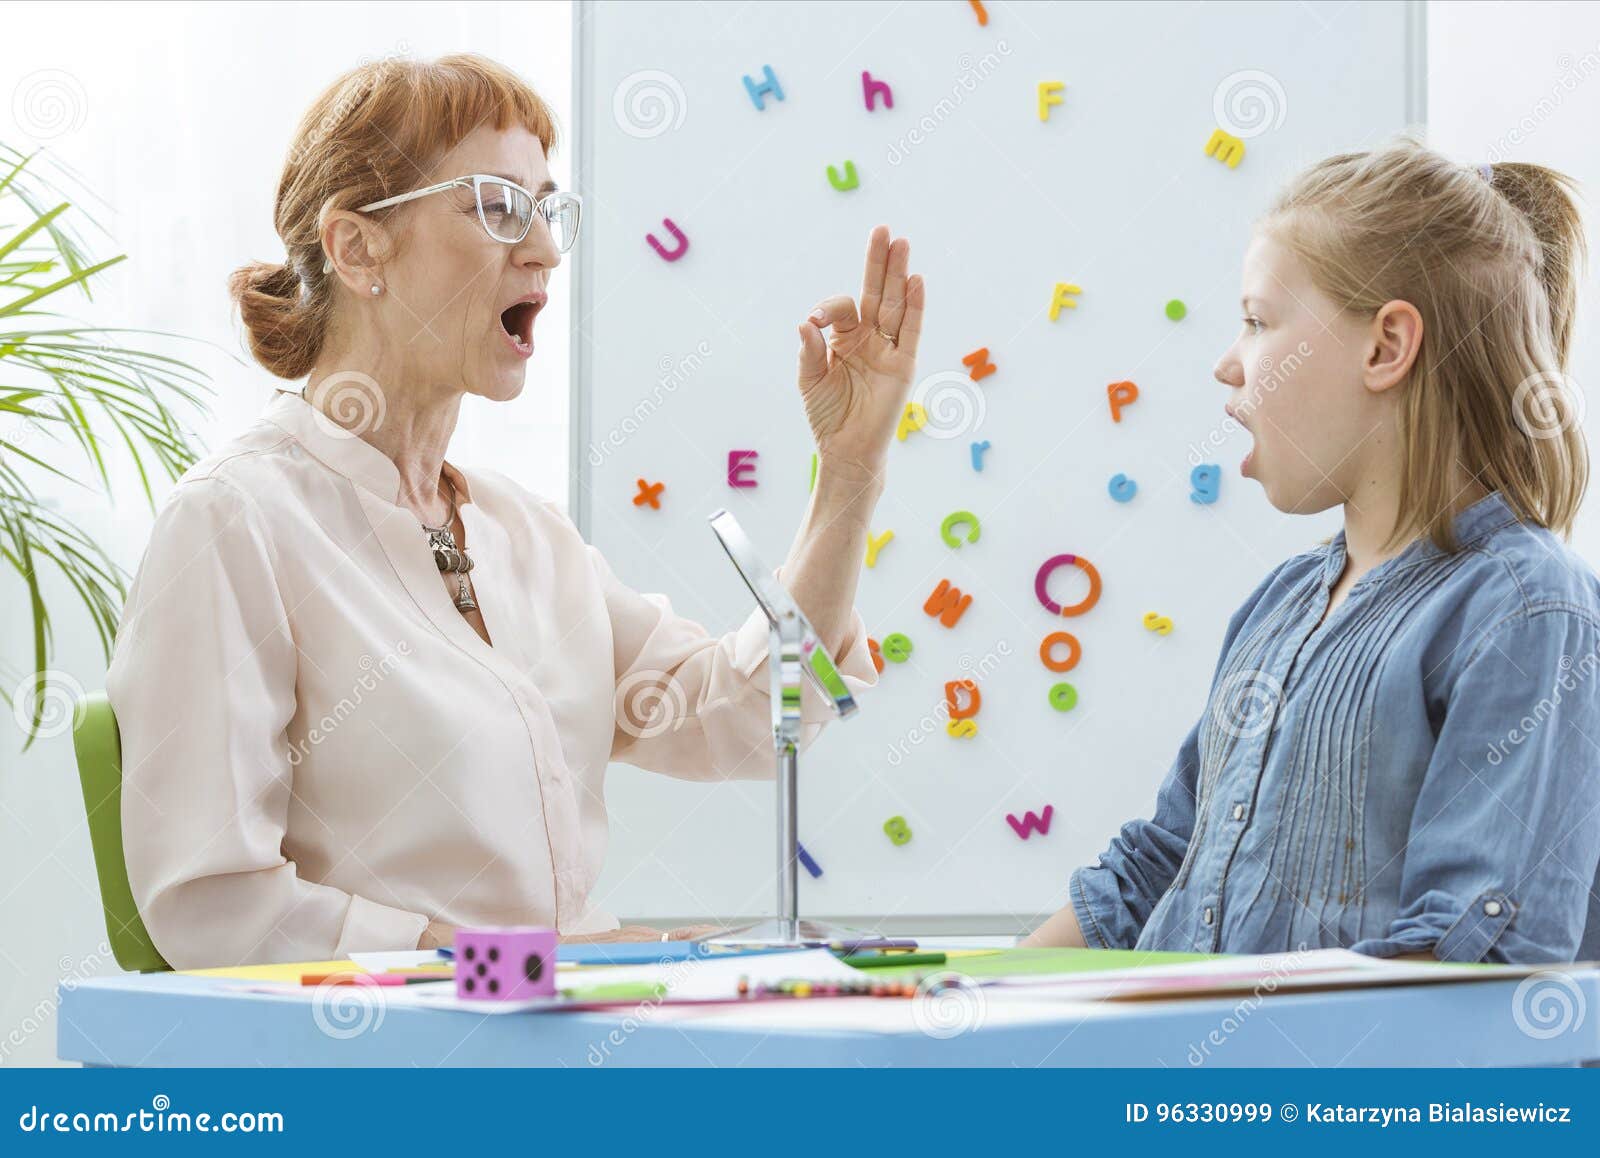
x,y
855,381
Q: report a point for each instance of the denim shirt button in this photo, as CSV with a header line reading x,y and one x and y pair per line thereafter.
x,y
1491,908
1208,915
1238,812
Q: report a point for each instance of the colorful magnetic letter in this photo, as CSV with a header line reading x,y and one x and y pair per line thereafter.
x,y
768,87
876,652
804,857
1122,487
979,362
846,183
961,729
915,418
505,963
1121,394
876,545
977,453
1226,148
1047,652
1063,296
977,6
956,519
1176,310
896,647
952,696
741,466
871,90
897,829
1029,822
1206,479
681,241
1063,697
1158,623
947,603
647,494
1042,579
1047,97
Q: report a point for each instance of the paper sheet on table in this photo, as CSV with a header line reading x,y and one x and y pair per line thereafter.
x,y
287,973
1269,972
398,959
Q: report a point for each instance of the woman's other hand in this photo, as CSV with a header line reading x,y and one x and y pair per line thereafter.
x,y
437,935
626,933
855,381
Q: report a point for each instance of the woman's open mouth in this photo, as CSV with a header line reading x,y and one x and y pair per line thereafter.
x,y
516,321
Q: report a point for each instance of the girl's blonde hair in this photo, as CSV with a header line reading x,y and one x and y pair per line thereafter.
x,y
1490,257
375,132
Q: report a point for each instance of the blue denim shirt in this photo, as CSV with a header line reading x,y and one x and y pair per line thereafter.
x,y
1422,771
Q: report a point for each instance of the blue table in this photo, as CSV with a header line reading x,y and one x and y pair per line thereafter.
x,y
173,1020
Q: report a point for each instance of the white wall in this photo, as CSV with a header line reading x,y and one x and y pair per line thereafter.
x,y
177,118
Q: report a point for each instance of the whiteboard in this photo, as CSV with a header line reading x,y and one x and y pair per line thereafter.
x,y
676,363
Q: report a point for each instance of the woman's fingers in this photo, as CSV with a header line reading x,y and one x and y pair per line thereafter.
x,y
690,932
876,273
911,324
892,309
839,312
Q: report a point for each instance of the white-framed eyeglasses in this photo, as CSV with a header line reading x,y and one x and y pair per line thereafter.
x,y
506,209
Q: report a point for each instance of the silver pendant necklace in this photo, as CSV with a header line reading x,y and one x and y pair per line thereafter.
x,y
450,558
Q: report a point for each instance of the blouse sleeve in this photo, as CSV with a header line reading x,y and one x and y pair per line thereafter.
x,y
696,706
203,686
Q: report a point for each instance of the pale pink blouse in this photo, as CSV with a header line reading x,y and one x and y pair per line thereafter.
x,y
320,755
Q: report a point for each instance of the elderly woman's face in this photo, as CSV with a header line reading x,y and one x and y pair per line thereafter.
x,y
463,302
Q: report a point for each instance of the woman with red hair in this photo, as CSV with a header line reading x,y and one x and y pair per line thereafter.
x,y
367,695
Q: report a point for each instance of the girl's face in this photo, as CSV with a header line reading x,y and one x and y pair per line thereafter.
x,y
1298,370
460,304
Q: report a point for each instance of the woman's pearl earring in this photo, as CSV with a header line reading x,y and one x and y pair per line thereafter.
x,y
376,289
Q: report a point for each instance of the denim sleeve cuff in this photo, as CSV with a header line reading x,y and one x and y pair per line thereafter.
x,y
1468,938
1096,900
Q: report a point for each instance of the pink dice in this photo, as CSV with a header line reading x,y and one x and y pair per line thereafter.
x,y
505,963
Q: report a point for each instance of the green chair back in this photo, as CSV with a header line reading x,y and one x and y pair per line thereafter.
x,y
99,748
